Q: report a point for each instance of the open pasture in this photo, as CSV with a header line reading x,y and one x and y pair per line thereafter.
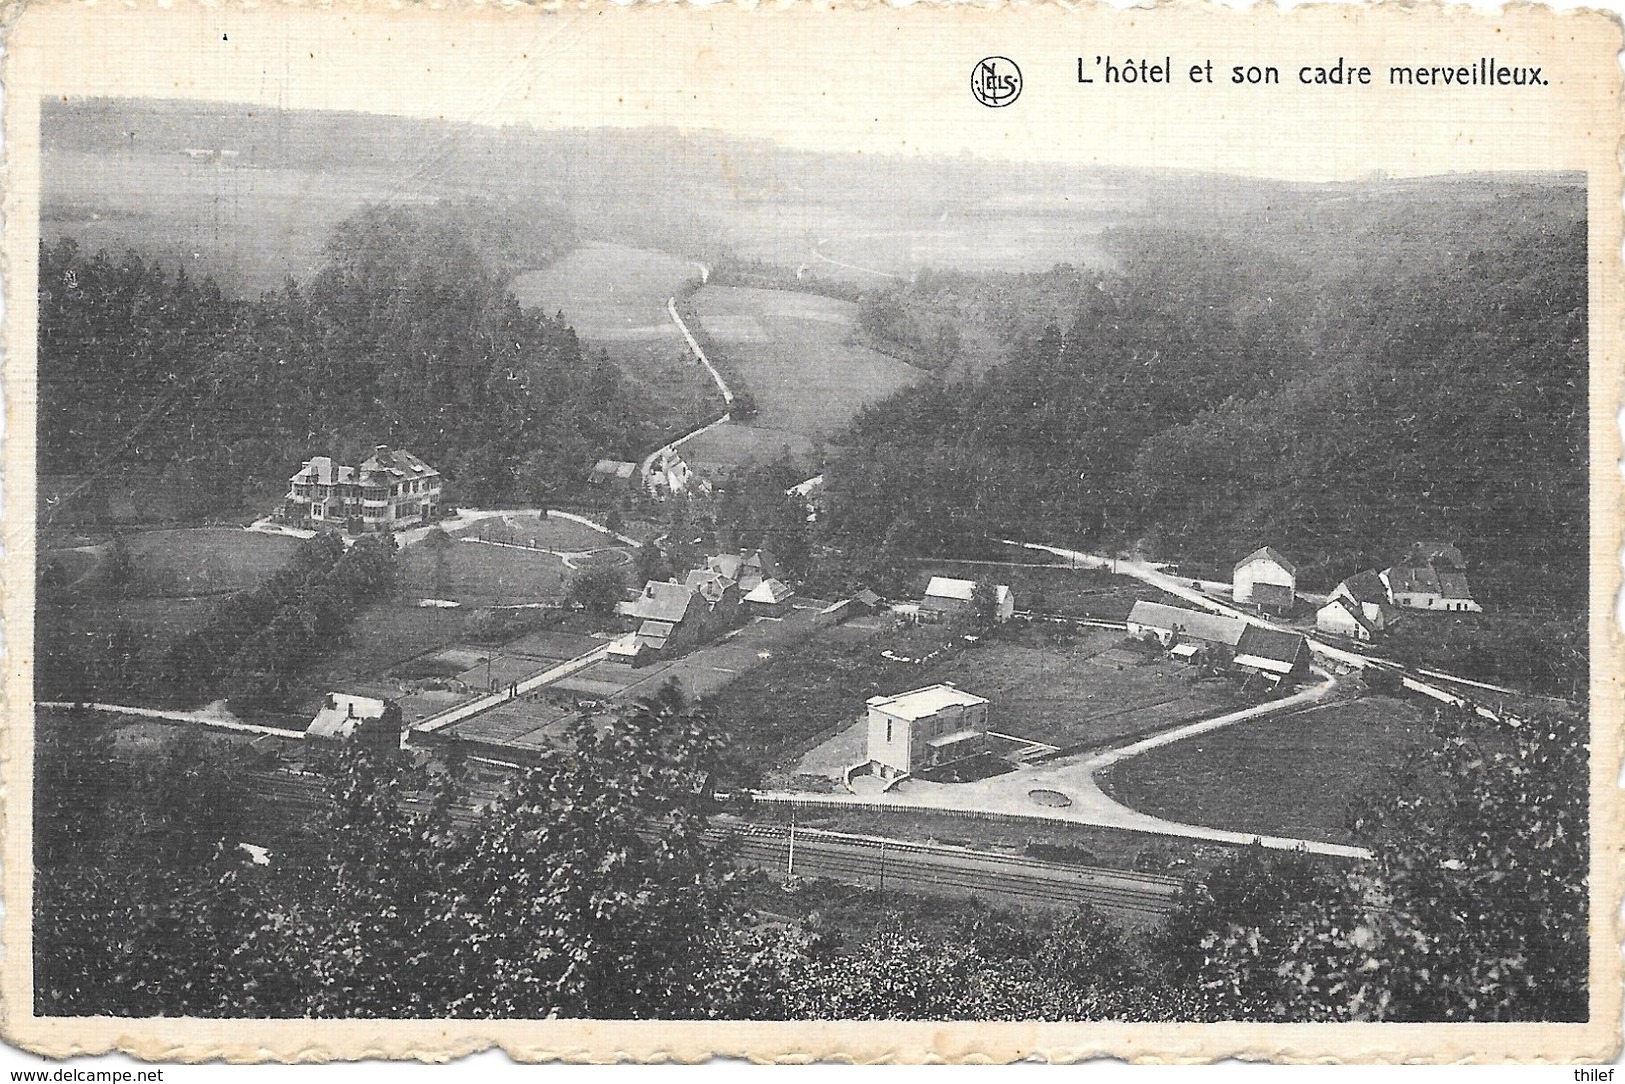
x,y
610,293
1291,775
791,352
248,226
480,575
869,245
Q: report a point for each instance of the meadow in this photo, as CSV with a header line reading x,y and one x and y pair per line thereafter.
x,y
1292,775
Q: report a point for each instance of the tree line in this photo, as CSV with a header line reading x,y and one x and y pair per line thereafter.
x,y
591,890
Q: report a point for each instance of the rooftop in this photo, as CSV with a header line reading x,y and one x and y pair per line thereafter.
x,y
920,703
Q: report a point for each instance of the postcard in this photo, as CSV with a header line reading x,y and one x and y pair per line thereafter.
x,y
842,532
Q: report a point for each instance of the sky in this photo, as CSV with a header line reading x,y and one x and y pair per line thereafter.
x,y
886,80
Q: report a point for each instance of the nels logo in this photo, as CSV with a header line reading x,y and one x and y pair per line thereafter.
x,y
996,81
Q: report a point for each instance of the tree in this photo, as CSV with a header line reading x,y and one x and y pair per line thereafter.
x,y
984,604
597,590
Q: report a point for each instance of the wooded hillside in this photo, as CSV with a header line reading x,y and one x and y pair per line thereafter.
x,y
406,336
1335,371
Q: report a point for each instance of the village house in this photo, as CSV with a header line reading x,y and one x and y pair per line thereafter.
x,y
390,490
627,650
1345,618
1278,657
945,596
1436,586
1358,608
1267,580
924,728
367,721
721,594
670,616
1183,631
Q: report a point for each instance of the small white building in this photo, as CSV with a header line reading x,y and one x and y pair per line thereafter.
x,y
946,595
1267,580
925,728
1346,618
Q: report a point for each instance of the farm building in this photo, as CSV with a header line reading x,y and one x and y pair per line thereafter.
x,y
1346,618
1267,580
769,597
1277,656
925,728
945,595
390,489
1430,587
1171,625
368,721
1369,594
612,472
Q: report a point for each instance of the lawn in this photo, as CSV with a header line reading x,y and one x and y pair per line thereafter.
x,y
1086,693
205,561
1291,775
537,532
480,575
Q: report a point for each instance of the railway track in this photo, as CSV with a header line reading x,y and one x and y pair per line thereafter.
x,y
869,861
928,869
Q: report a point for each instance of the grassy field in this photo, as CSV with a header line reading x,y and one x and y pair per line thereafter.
x,y
1087,693
610,293
614,296
253,226
1016,231
1292,775
387,634
478,575
537,532
205,561
792,352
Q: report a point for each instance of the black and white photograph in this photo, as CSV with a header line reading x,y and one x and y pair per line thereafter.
x,y
839,518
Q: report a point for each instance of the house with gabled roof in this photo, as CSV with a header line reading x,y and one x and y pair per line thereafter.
x,y
1430,587
945,595
1345,618
1266,579
1275,655
1171,625
1367,594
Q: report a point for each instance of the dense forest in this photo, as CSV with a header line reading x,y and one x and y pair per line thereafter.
x,y
591,890
1335,373
154,384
